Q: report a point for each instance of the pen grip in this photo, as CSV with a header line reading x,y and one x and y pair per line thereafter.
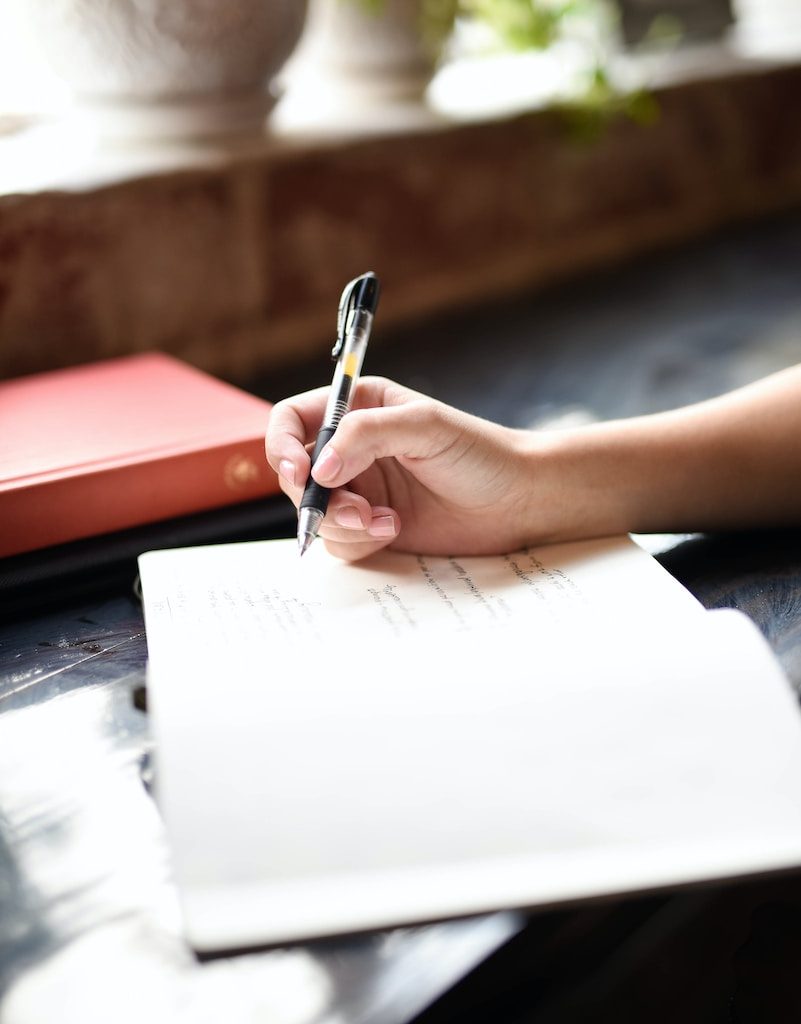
x,y
314,494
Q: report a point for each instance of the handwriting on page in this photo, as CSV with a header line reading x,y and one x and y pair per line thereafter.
x,y
231,595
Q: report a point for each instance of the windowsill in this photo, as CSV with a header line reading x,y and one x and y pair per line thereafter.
x,y
64,154
232,256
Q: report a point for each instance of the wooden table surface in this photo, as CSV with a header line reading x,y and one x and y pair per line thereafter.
x,y
89,926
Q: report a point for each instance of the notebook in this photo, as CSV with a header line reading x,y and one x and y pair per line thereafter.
x,y
348,747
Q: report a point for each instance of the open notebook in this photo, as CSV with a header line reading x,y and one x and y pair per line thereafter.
x,y
346,747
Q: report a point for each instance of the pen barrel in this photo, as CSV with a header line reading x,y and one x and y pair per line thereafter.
x,y
314,494
349,366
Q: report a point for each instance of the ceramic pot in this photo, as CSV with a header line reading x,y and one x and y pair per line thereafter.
x,y
355,52
169,68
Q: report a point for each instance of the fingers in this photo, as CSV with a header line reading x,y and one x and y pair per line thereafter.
x,y
350,525
353,552
353,528
352,539
294,423
416,430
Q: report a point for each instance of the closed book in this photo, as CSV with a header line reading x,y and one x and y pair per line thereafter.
x,y
116,444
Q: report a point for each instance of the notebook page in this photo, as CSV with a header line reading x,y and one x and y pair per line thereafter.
x,y
202,602
359,773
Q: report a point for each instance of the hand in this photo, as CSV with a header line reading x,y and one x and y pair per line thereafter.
x,y
415,474
406,471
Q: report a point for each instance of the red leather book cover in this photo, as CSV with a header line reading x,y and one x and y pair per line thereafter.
x,y
116,444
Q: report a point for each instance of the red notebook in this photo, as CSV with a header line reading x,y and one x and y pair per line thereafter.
x,y
111,445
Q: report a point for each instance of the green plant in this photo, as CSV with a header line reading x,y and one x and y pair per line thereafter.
x,y
520,25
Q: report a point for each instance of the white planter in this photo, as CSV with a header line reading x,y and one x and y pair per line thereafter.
x,y
169,68
354,62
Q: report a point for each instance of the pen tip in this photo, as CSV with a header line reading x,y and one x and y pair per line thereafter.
x,y
309,520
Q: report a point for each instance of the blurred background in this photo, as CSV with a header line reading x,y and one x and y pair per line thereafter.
x,y
202,177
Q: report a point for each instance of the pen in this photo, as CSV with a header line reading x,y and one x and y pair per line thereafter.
x,y
354,322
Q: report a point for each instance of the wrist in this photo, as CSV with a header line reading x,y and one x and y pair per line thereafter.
x,y
584,482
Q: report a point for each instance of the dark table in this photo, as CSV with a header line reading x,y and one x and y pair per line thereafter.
x,y
89,922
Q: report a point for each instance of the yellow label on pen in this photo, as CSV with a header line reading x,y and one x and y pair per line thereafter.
x,y
349,365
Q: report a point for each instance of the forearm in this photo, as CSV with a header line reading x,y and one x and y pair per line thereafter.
x,y
732,462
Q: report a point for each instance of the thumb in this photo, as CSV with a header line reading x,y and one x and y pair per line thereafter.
x,y
420,429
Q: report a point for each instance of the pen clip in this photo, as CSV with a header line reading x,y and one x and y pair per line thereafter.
x,y
345,306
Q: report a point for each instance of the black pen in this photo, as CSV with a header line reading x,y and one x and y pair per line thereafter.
x,y
354,322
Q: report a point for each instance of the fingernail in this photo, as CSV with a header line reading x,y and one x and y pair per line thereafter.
x,y
382,526
328,465
349,517
287,470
